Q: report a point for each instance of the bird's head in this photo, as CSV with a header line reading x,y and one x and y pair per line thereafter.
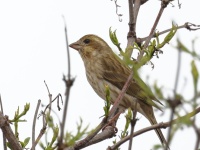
x,y
91,46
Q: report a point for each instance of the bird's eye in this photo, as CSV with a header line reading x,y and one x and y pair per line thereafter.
x,y
86,41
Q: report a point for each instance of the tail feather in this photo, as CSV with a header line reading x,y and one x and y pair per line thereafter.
x,y
150,116
159,132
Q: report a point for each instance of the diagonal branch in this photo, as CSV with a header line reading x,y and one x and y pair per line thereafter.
x,y
155,126
4,138
164,4
8,133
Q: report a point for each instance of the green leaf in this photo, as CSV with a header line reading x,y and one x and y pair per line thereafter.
x,y
157,146
107,103
158,91
169,36
114,39
128,117
22,144
8,145
183,48
185,120
195,75
71,139
26,141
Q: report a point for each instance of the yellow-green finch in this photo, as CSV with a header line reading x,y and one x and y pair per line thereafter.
x,y
103,67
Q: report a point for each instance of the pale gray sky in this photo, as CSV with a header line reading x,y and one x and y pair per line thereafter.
x,y
33,49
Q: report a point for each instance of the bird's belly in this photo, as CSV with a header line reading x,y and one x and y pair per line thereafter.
x,y
98,84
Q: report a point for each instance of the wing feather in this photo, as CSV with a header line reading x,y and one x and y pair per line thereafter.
x,y
137,87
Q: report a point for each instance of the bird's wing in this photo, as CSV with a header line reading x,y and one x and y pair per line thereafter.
x,y
137,87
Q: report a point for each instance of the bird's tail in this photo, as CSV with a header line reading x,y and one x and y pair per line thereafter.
x,y
159,133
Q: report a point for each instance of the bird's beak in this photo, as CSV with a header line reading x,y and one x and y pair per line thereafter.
x,y
75,46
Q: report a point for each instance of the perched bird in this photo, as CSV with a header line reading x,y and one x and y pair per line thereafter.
x,y
103,67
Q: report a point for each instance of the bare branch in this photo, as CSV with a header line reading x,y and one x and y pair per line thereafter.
x,y
68,83
155,126
141,2
34,124
177,72
50,97
43,113
197,131
4,138
116,8
108,132
8,133
133,123
133,13
121,95
147,41
189,26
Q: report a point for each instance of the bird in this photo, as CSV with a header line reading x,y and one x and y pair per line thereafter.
x,y
104,67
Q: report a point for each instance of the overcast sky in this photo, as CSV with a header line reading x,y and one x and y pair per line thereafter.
x,y
33,49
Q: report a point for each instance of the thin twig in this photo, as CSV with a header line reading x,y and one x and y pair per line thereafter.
x,y
67,46
42,131
147,41
133,123
121,94
197,131
4,138
169,131
173,107
50,97
44,127
197,143
56,98
116,10
187,25
179,4
68,83
34,124
164,4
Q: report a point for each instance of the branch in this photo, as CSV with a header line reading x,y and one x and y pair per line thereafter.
x,y
33,126
133,13
197,130
155,126
133,123
8,133
4,138
43,113
108,132
68,83
83,142
164,4
121,95
189,26
116,9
